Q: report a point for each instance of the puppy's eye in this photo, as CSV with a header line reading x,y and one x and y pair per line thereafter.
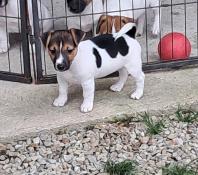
x,y
53,51
70,50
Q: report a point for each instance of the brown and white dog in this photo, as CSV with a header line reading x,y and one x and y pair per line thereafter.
x,y
81,62
111,24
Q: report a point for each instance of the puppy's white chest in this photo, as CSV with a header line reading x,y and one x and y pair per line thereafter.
x,y
69,77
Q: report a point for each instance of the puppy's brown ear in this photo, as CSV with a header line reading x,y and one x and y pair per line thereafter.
x,y
45,38
101,20
77,35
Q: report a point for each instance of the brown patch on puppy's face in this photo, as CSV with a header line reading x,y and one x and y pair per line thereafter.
x,y
62,46
106,23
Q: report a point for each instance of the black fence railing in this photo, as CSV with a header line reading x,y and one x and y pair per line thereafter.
x,y
14,47
169,15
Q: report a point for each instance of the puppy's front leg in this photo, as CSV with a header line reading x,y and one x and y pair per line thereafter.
x,y
140,25
88,87
4,40
156,24
63,91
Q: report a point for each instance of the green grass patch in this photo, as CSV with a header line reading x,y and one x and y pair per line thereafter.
x,y
179,170
127,167
153,128
186,115
124,119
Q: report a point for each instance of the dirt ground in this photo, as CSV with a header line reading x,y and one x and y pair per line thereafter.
x,y
184,19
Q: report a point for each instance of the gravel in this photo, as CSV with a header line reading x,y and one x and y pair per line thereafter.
x,y
84,151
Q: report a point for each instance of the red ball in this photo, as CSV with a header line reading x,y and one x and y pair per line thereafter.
x,y
174,46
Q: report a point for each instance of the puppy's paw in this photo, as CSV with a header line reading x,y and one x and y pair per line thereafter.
x,y
116,87
137,95
86,107
60,101
4,47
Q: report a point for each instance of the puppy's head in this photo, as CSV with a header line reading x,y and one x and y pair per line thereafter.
x,y
110,24
62,46
3,3
105,24
77,6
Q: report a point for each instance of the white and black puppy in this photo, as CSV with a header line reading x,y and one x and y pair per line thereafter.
x,y
81,62
11,9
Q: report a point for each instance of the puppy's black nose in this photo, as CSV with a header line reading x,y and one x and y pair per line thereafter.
x,y
61,67
77,6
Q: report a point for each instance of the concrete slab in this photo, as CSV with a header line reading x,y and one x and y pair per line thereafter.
x,y
26,109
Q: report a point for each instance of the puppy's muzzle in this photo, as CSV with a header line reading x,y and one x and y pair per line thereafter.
x,y
76,6
63,66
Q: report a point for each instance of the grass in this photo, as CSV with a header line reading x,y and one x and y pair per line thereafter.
x,y
179,170
123,119
186,115
127,167
153,128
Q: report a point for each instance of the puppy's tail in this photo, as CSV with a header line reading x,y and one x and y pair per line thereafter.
x,y
129,29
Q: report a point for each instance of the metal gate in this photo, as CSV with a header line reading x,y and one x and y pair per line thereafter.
x,y
15,63
177,16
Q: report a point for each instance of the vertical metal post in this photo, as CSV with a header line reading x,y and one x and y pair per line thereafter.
x,y
25,40
39,71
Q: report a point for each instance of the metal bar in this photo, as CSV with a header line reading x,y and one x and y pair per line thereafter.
x,y
9,76
25,41
170,65
39,73
48,79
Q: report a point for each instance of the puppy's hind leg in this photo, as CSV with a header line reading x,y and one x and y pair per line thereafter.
x,y
118,86
139,78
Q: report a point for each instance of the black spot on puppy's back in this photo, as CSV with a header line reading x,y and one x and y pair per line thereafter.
x,y
106,42
112,46
122,45
98,58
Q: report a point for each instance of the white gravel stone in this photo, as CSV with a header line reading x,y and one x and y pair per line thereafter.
x,y
36,140
18,146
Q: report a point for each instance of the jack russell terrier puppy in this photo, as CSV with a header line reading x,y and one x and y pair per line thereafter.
x,y
111,24
88,22
11,8
81,62
134,9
